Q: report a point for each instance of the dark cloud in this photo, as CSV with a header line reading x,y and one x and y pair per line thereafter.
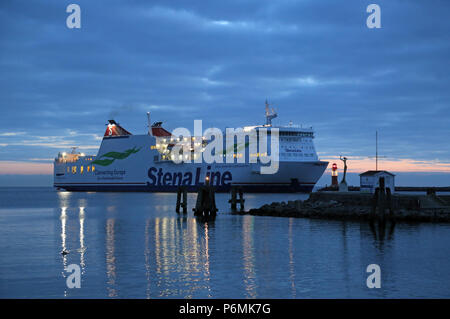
x,y
218,61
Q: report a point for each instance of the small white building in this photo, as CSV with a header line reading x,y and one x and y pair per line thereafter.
x,y
369,181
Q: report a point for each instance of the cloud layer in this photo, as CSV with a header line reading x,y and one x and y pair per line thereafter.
x,y
218,61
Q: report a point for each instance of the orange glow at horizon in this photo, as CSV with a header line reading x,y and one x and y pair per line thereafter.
x,y
358,165
354,166
25,168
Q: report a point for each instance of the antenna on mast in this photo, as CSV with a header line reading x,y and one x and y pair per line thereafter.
x,y
270,115
376,151
149,124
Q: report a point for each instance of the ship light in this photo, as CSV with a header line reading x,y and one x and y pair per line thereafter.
x,y
64,154
82,154
157,145
249,128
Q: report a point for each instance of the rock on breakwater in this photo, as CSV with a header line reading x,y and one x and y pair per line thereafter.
x,y
359,206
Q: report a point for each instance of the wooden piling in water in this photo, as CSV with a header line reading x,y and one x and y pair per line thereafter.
x,y
182,191
382,201
241,198
205,206
234,199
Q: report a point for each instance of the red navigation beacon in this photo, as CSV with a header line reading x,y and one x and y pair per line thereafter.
x,y
334,175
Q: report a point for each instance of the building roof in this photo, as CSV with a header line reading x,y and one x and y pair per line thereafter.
x,y
373,173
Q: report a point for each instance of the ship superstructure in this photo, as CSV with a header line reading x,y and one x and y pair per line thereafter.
x,y
147,162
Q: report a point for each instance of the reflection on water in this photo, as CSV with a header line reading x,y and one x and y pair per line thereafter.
x,y
291,259
110,258
147,257
248,256
177,253
181,256
82,248
63,219
207,274
382,229
136,246
345,256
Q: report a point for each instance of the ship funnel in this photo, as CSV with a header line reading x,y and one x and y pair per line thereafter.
x,y
114,129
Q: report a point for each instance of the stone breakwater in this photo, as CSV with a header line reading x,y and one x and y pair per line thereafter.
x,y
359,206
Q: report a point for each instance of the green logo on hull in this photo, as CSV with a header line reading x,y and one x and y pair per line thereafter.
x,y
115,156
236,148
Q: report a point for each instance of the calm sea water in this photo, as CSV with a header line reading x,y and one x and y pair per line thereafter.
x,y
134,245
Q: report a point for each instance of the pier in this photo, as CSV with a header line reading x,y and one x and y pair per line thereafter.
x,y
397,188
361,206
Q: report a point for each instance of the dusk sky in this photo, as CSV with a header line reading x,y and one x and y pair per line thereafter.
x,y
315,60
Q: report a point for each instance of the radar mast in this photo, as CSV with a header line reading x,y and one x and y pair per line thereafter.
x,y
270,114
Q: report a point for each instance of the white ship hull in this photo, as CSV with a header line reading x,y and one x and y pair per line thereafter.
x,y
140,172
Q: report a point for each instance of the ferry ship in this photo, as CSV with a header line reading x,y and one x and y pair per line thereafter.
x,y
133,163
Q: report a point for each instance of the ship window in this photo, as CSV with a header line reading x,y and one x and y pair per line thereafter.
x,y
81,169
68,169
88,169
74,169
93,168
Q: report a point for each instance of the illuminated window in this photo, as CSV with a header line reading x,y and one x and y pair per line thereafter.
x,y
74,169
93,168
81,169
88,169
68,169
